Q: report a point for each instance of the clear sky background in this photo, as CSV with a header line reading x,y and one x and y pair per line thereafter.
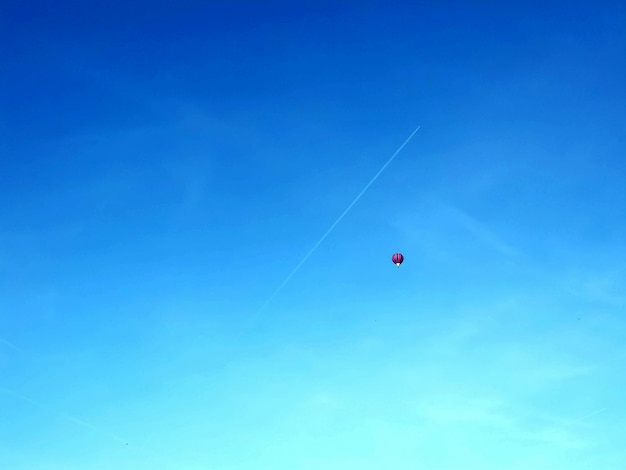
x,y
165,165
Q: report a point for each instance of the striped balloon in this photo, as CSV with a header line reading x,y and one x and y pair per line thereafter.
x,y
397,259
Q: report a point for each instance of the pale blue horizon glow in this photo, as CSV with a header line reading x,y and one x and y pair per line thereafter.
x,y
193,276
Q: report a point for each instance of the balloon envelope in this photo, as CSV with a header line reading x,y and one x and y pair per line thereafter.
x,y
397,259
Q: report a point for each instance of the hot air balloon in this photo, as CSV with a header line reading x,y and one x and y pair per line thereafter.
x,y
397,259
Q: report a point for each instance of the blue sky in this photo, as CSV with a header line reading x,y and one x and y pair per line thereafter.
x,y
165,166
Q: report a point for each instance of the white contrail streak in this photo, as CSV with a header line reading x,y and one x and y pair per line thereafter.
x,y
343,214
597,412
11,346
85,424
66,416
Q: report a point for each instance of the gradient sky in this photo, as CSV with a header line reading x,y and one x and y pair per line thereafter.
x,y
164,166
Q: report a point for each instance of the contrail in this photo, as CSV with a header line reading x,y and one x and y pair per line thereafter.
x,y
597,412
66,416
343,214
11,346
85,424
